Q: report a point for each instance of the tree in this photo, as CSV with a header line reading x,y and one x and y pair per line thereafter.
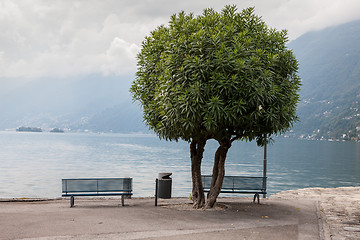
x,y
220,75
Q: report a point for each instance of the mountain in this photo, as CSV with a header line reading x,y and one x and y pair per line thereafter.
x,y
122,118
95,103
329,62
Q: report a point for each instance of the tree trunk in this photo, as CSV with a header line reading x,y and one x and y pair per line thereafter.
x,y
218,172
196,153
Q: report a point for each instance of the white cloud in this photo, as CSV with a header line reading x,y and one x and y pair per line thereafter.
x,y
50,40
63,37
120,57
303,16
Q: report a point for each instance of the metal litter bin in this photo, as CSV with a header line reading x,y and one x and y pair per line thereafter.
x,y
163,186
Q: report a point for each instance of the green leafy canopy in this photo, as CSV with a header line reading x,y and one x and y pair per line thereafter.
x,y
217,75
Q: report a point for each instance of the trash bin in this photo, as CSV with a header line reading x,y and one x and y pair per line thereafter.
x,y
164,185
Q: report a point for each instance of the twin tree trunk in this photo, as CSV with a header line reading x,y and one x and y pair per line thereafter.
x,y
218,172
196,151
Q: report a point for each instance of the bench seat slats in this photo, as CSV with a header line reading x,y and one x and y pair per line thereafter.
x,y
245,192
96,194
91,191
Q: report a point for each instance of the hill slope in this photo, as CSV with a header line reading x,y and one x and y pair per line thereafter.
x,y
330,71
95,103
329,108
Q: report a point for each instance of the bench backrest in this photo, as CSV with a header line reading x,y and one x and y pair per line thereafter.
x,y
237,183
95,185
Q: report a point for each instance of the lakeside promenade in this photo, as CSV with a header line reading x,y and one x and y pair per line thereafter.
x,y
313,213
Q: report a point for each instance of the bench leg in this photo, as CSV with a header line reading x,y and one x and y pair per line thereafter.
x,y
156,190
122,200
256,196
72,201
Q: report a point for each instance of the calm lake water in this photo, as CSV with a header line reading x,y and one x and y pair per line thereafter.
x,y
33,164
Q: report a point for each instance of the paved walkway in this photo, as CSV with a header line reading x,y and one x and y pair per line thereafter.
x,y
234,218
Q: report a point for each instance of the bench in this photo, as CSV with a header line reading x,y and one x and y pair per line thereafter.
x,y
96,187
239,184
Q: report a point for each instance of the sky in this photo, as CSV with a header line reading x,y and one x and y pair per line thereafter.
x,y
69,38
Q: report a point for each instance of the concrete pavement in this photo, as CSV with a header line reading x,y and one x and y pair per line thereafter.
x,y
173,219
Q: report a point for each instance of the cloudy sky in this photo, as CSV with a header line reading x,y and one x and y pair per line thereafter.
x,y
68,38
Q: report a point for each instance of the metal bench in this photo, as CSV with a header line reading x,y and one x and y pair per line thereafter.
x,y
239,184
96,187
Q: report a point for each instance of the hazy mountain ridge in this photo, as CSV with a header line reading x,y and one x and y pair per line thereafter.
x,y
329,109
330,71
74,104
122,118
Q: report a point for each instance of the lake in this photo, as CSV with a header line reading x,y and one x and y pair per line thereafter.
x,y
33,164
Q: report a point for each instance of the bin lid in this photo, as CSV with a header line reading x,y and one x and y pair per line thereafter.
x,y
164,175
